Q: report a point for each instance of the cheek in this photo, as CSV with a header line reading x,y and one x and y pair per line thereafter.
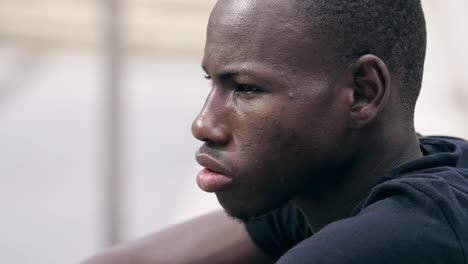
x,y
291,143
268,146
279,138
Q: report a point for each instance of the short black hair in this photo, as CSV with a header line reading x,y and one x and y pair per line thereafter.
x,y
394,30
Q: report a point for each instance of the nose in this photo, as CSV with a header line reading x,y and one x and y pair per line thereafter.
x,y
210,125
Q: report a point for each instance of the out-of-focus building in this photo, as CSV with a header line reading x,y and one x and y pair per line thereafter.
x,y
172,28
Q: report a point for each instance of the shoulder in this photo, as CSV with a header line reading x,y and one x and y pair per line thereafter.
x,y
398,223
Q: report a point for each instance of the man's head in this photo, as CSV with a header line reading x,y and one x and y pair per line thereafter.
x,y
297,88
394,30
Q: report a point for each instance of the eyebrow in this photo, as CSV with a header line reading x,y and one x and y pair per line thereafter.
x,y
229,74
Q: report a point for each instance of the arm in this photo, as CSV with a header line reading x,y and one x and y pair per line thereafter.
x,y
211,238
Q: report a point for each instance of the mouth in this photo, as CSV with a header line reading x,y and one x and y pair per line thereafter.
x,y
212,178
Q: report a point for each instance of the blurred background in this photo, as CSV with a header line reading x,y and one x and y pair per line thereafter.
x,y
96,102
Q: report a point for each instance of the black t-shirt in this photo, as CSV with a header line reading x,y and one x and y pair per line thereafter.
x,y
417,213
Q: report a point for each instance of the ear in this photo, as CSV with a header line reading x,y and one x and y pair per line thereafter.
x,y
370,84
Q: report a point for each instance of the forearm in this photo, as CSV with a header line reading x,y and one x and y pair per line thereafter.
x,y
212,238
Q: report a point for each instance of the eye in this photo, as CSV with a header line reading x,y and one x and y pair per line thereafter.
x,y
246,88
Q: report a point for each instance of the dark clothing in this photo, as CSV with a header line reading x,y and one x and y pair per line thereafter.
x,y
417,213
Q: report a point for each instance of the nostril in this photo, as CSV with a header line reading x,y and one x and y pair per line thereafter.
x,y
217,135
208,141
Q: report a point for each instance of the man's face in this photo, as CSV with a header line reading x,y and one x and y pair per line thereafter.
x,y
272,123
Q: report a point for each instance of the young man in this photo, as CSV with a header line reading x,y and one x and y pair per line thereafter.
x,y
309,140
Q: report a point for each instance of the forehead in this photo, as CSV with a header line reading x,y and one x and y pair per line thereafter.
x,y
259,32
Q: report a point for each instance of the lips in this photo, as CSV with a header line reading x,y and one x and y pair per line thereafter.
x,y
211,181
213,177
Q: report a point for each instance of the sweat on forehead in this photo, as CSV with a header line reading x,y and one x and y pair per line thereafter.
x,y
255,15
239,9
341,31
269,32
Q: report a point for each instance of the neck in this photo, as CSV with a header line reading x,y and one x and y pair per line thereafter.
x,y
335,199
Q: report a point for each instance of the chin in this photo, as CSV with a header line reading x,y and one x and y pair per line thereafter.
x,y
247,210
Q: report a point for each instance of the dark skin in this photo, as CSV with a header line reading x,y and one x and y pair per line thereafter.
x,y
286,124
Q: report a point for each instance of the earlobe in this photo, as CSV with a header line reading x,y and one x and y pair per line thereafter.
x,y
371,88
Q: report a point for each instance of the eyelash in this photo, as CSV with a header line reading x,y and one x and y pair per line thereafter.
x,y
243,88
